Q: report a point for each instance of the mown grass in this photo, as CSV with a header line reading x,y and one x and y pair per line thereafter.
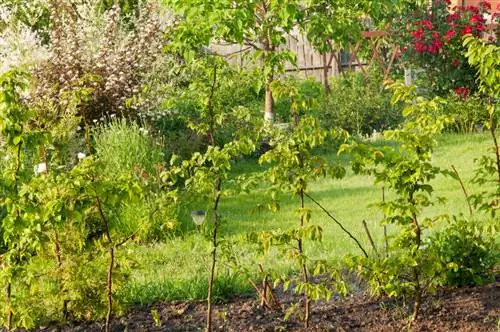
x,y
178,269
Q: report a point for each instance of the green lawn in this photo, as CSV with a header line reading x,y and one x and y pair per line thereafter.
x,y
178,268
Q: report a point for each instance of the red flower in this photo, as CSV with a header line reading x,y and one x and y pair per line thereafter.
x,y
438,44
477,18
462,92
455,63
466,30
420,47
418,34
450,34
428,24
485,4
436,35
472,9
479,27
453,17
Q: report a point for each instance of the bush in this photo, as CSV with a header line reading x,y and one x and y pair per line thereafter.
x,y
432,40
307,90
469,114
124,146
360,105
468,251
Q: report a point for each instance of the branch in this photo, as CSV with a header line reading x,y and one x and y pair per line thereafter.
x,y
337,222
463,189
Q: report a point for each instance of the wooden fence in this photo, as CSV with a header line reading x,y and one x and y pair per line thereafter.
x,y
310,63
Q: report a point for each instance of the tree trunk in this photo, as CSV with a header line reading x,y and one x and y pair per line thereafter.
x,y
8,296
268,111
326,70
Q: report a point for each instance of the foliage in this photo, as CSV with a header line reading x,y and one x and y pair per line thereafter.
x,y
432,40
94,50
292,167
19,45
469,114
259,25
407,170
468,251
123,147
308,95
181,109
360,106
485,58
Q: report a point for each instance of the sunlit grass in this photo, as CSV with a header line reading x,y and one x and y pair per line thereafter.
x,y
178,269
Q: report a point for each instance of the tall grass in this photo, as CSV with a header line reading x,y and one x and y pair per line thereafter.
x,y
122,146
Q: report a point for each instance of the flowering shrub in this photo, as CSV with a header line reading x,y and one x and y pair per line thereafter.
x,y
98,52
432,40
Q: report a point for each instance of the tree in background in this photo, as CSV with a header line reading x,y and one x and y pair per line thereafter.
x,y
260,25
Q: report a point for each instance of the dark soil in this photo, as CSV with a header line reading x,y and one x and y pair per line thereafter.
x,y
464,309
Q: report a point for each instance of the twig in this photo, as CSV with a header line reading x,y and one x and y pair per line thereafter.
x,y
370,237
338,223
463,189
385,226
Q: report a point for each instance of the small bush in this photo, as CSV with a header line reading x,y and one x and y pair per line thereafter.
x,y
468,251
469,114
359,105
123,147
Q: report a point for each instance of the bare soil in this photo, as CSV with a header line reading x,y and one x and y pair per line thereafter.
x,y
464,309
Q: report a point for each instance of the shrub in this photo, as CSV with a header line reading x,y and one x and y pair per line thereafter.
x,y
469,114
307,90
468,251
98,51
432,40
124,146
359,105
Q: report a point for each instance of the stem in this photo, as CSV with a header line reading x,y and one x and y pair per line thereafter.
x,y
326,67
416,272
304,267
418,300
210,108
495,142
110,265
8,295
385,226
463,189
338,223
110,286
214,256
370,237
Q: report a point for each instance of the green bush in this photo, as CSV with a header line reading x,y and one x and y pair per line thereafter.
x,y
469,114
123,147
468,251
307,90
360,105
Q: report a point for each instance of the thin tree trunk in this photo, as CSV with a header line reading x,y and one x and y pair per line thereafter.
x,y
111,263
268,111
214,257
326,70
8,296
110,287
304,267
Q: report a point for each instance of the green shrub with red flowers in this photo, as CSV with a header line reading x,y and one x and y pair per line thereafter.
x,y
432,40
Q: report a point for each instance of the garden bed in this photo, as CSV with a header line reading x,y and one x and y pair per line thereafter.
x,y
464,309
